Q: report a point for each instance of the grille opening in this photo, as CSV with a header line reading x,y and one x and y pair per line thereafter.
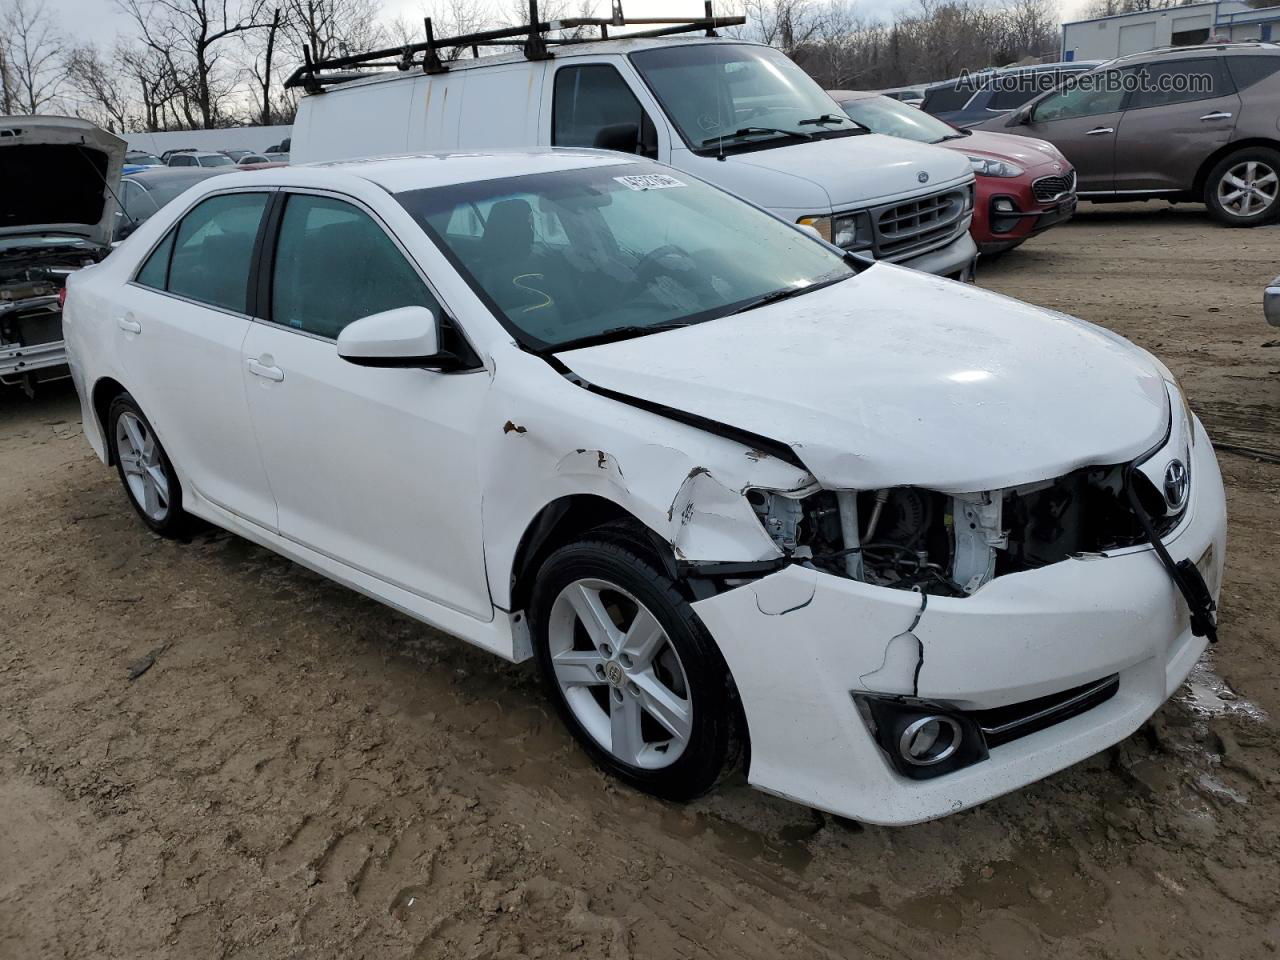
x,y
1051,188
916,225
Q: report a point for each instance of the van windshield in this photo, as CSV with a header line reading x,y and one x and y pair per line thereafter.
x,y
733,97
612,251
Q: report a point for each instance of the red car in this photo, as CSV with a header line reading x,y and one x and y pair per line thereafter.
x,y
1024,186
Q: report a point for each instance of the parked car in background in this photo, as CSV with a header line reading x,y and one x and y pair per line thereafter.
x,y
1023,186
890,536
1203,129
247,158
140,158
1271,302
169,153
235,155
274,156
145,192
199,158
281,147
740,115
977,97
60,176
912,96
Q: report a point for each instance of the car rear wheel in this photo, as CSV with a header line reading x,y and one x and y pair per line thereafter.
x,y
632,671
145,471
1243,190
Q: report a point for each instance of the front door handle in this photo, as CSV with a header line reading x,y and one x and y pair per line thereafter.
x,y
265,370
128,324
1099,130
1217,115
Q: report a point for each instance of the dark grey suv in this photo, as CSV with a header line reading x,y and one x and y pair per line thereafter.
x,y
1188,123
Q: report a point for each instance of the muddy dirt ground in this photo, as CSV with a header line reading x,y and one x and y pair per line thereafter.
x,y
305,773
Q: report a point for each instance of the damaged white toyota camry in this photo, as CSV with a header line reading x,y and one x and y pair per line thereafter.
x,y
910,544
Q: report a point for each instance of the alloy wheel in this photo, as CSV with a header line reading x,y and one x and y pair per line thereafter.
x,y
1248,188
143,466
620,674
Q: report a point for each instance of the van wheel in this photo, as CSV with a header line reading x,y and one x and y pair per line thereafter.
x,y
145,471
633,673
1243,190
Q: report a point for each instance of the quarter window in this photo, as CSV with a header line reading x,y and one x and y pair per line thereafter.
x,y
334,264
154,272
594,107
214,248
1246,71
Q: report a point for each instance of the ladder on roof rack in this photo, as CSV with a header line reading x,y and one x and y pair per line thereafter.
x,y
311,77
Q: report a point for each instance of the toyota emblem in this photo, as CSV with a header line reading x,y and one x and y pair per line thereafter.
x,y
922,176
1176,485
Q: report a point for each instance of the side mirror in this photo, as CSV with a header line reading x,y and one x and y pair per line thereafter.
x,y
1271,303
403,337
1020,116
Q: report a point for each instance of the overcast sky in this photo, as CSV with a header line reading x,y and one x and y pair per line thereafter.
x,y
101,20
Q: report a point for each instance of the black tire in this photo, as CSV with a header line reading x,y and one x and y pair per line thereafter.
x,y
172,521
1269,214
714,741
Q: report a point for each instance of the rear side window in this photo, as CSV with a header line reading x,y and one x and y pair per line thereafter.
x,y
1181,81
182,160
214,248
334,264
155,272
1246,71
1009,99
592,104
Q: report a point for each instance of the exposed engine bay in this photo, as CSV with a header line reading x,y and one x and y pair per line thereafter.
x,y
952,544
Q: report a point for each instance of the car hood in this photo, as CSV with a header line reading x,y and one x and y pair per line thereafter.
x,y
859,170
1025,151
896,377
60,176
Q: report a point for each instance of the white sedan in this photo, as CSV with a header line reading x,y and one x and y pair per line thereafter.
x,y
913,543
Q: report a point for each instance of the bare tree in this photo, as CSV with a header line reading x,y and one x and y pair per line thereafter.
x,y
190,36
332,28
31,51
101,87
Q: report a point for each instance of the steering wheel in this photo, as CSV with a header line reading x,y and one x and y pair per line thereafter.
x,y
673,262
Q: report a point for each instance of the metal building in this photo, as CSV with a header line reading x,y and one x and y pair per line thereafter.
x,y
1105,37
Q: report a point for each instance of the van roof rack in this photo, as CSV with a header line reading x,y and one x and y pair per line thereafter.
x,y
315,75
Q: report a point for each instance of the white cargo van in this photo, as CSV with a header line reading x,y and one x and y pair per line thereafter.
x,y
740,115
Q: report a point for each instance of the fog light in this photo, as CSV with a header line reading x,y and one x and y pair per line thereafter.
x,y
1004,205
930,740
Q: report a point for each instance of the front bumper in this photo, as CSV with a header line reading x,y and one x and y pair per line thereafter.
x,y
994,232
801,644
956,260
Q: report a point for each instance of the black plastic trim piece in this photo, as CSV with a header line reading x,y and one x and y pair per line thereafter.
x,y
1001,725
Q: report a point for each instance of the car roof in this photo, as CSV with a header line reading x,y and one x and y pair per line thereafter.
x,y
1233,48
420,171
590,48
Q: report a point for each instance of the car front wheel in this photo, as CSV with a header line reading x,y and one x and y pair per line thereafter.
x,y
634,674
145,470
1243,190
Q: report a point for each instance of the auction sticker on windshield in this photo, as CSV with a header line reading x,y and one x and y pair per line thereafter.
x,y
650,181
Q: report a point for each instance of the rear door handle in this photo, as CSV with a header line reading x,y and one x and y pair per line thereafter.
x,y
1217,115
128,324
266,371
1097,130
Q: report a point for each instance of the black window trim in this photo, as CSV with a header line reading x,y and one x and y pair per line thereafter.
x,y
263,265
173,226
611,63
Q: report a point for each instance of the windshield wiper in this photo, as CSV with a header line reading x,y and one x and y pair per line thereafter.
x,y
825,118
747,131
786,293
615,333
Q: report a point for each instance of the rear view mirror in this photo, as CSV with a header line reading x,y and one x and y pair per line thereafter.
x,y
403,337
1271,302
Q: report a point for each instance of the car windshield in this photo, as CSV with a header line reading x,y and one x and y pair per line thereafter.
x,y
216,160
581,256
883,115
727,96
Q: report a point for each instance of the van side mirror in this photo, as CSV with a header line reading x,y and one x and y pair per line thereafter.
x,y
403,337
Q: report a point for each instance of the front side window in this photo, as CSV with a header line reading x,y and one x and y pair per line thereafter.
x,y
213,250
1091,95
947,98
594,107
730,96
334,264
896,119
1180,81
615,250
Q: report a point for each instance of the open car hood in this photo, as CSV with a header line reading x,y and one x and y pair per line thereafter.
x,y
58,174
898,378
